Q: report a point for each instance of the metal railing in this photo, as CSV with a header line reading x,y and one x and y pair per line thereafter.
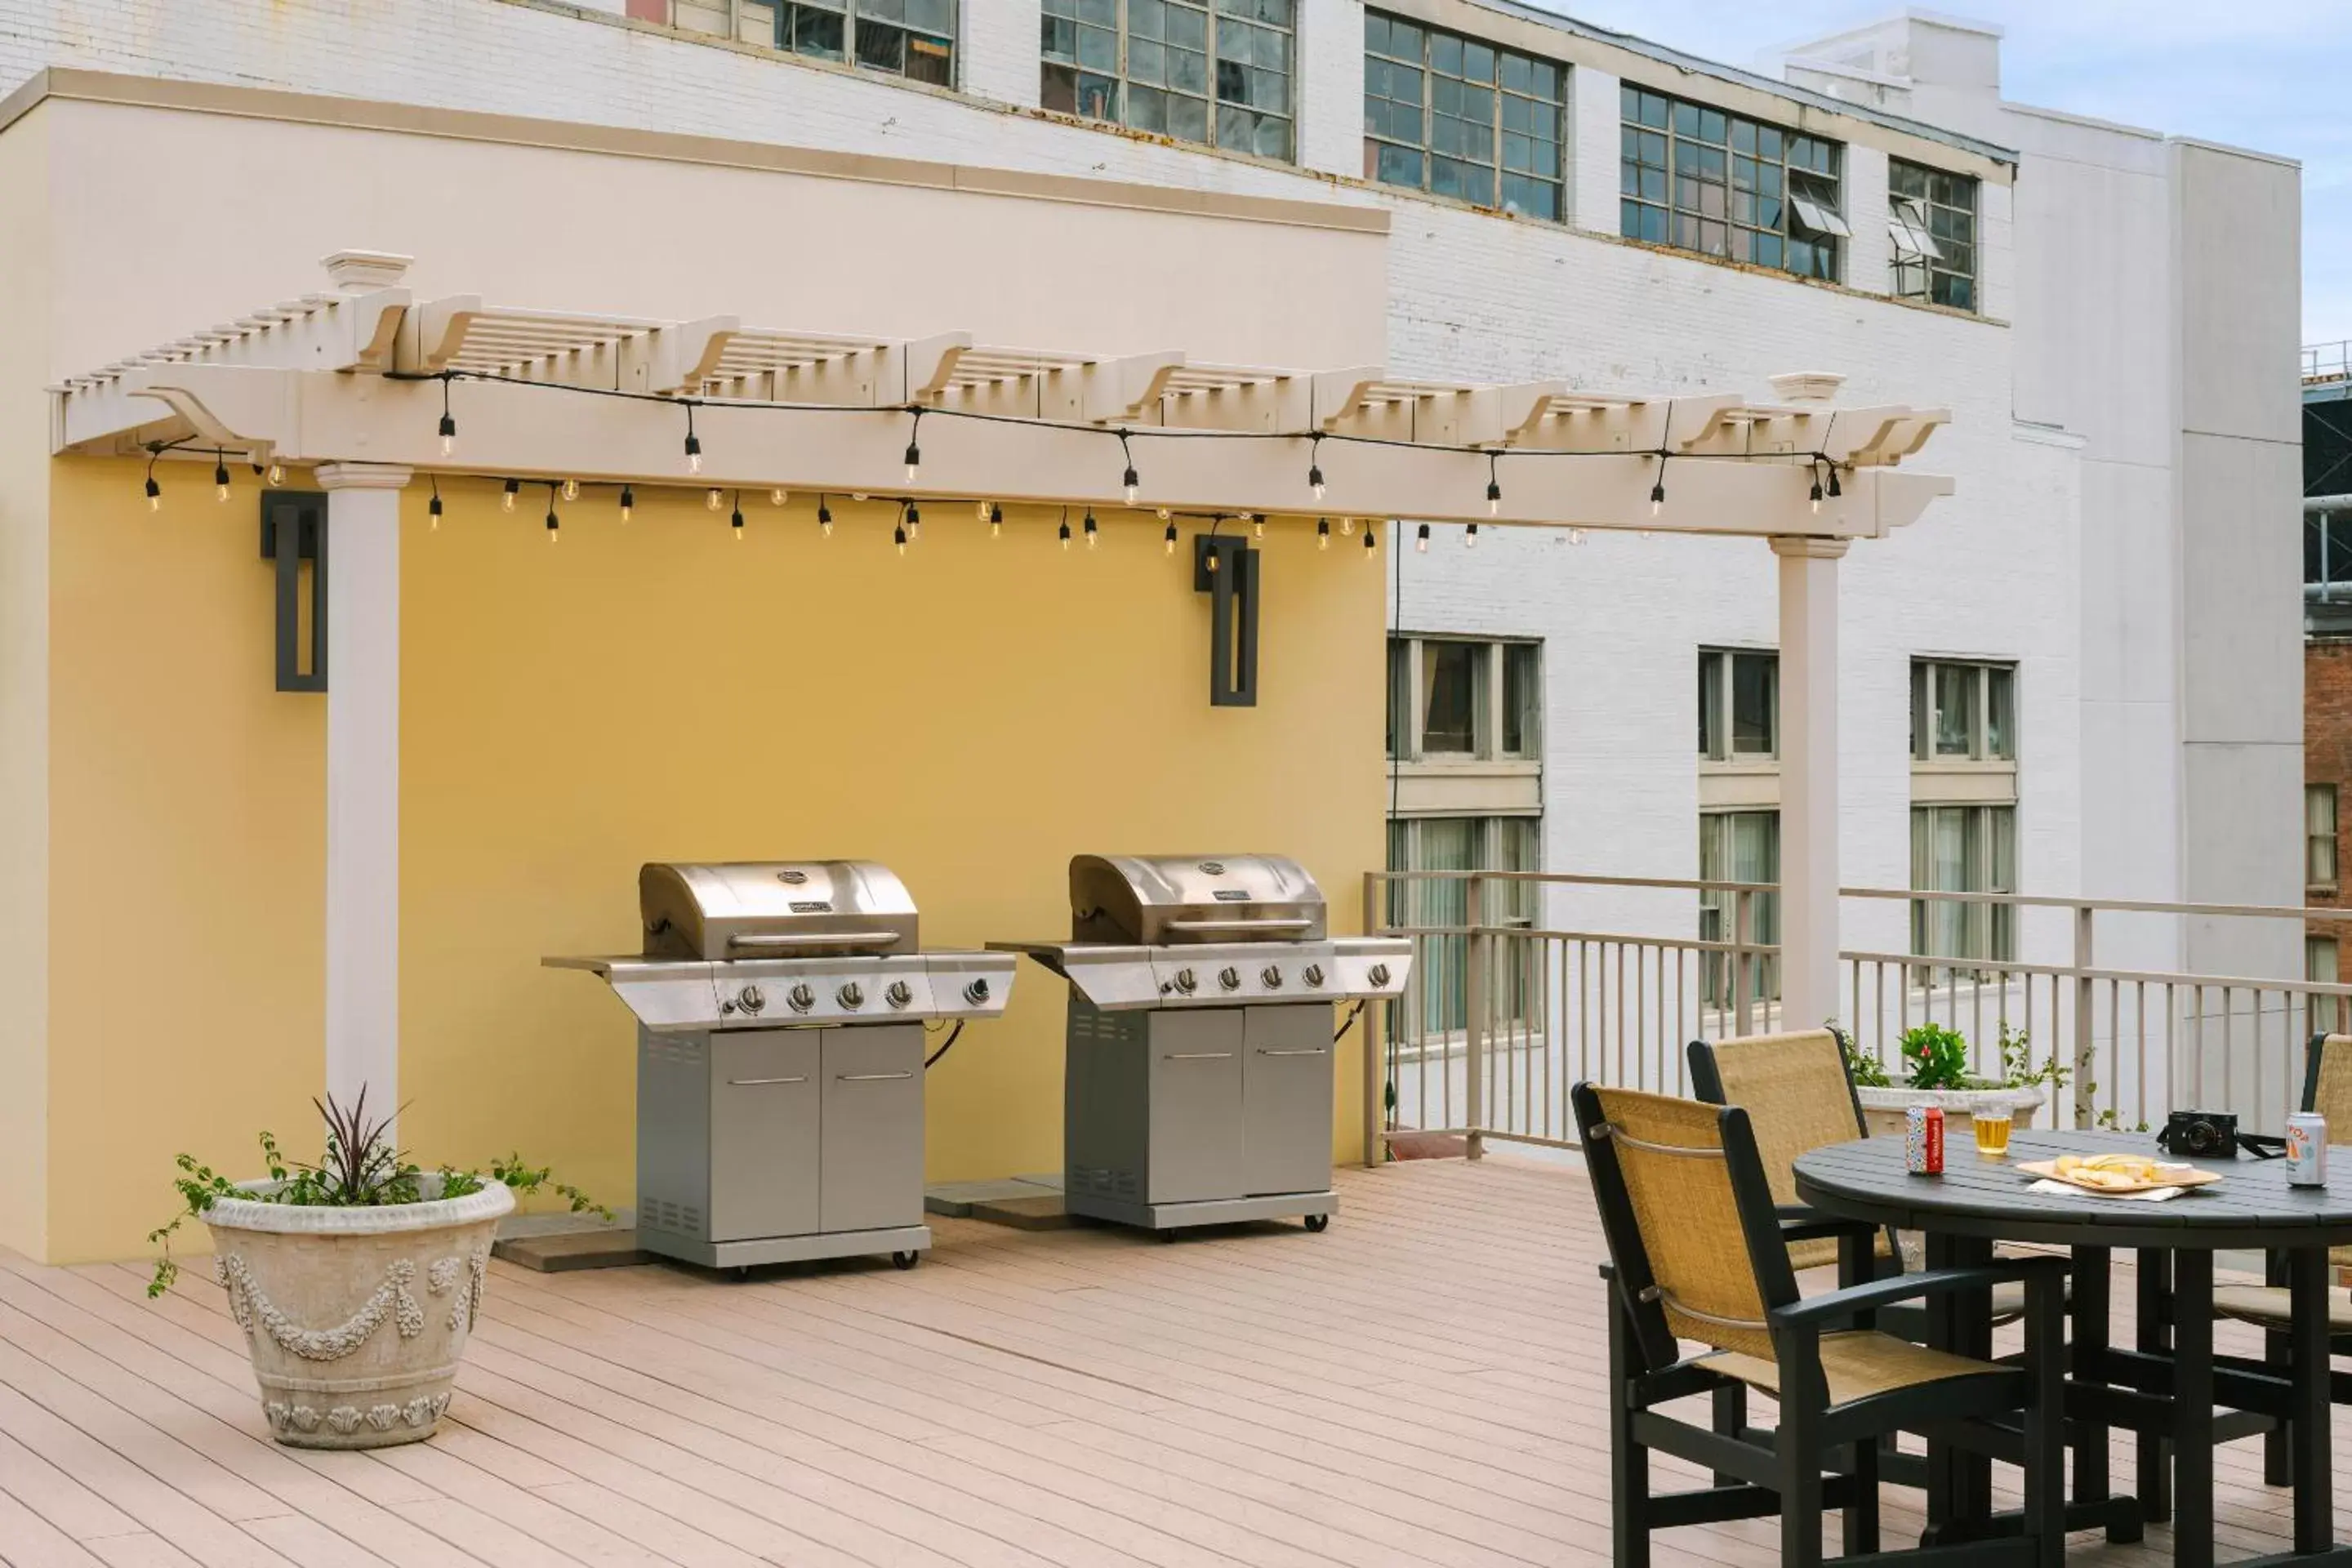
x,y
1518,992
2326,362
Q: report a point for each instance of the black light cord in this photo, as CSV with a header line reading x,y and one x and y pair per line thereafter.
x,y
1348,1023
952,1035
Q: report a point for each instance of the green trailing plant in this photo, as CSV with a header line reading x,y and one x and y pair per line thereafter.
x,y
359,1167
2017,1069
1867,1071
1938,1057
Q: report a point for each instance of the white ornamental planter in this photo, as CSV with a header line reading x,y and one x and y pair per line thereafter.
x,y
1884,1109
356,1318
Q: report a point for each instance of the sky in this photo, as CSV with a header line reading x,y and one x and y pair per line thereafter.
x,y
2273,75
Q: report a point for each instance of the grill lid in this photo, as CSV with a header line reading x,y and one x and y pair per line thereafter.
x,y
774,908
1160,899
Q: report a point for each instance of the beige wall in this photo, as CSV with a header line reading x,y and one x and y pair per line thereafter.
x,y
658,690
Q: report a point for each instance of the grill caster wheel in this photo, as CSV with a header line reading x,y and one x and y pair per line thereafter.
x,y
1166,1235
903,1260
742,1271
1319,1221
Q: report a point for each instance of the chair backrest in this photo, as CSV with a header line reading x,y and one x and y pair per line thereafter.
x,y
1795,1090
2327,1084
1688,1217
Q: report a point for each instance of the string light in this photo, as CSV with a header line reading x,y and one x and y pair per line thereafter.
x,y
711,498
1493,485
628,503
980,509
449,423
1065,528
572,489
914,445
277,473
1169,538
824,519
1470,537
1315,465
220,475
1371,540
433,507
776,496
1658,491
995,520
1258,524
1163,514
1090,528
914,522
1322,534
1575,536
1817,490
898,533
1347,526
1129,479
507,500
693,442
736,520
1834,491
154,490
552,526
1421,540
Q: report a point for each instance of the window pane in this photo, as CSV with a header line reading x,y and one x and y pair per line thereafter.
x,y
1710,704
1451,677
2319,803
1955,709
1399,687
1522,697
2001,713
1755,695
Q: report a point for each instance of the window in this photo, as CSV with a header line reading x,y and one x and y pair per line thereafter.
x,y
1737,846
910,38
2328,547
1702,180
2319,834
1177,68
1738,706
2319,966
1963,712
1461,118
1931,217
1438,1003
1450,687
1963,849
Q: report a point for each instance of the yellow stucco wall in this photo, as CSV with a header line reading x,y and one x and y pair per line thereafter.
x,y
971,715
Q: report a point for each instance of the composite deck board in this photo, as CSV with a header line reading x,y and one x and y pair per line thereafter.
x,y
1421,1384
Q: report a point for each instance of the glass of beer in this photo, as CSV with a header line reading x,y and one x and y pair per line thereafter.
x,y
1992,1133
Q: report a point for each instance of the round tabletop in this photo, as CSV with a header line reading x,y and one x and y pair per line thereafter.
x,y
1978,1195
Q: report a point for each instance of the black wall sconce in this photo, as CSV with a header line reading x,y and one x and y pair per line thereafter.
x,y
293,530
1226,569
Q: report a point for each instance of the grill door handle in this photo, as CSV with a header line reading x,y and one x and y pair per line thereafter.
x,y
1196,1056
1240,925
1302,1051
819,939
870,1077
757,1083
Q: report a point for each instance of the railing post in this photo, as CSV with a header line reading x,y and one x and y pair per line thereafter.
x,y
1374,1043
1473,1030
1743,959
2085,1042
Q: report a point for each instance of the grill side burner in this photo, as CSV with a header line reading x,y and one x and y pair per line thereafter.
x,y
779,1057
1197,1082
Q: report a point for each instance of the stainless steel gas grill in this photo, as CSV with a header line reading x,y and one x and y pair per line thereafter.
x,y
1197,1085
779,1057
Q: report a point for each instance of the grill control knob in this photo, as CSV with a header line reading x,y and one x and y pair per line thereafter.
x,y
801,997
1230,978
1272,975
1187,982
899,993
977,991
850,996
1379,975
1312,975
752,998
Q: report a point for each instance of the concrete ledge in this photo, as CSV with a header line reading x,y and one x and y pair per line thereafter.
x,y
560,1252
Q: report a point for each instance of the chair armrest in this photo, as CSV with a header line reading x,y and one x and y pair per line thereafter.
x,y
1835,1305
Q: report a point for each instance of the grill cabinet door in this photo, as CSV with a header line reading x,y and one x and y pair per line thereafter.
x,y
1196,1105
763,1134
1286,1090
872,1127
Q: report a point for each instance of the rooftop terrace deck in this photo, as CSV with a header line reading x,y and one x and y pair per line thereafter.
x,y
1421,1384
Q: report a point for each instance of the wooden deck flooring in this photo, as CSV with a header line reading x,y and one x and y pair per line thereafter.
x,y
1421,1384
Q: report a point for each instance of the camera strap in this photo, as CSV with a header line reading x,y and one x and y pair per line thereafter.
x,y
2263,1145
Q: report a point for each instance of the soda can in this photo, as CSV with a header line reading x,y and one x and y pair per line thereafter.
x,y
2306,1150
1923,1140
1935,1140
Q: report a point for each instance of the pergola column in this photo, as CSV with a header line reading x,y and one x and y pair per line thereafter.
x,y
1809,780
362,560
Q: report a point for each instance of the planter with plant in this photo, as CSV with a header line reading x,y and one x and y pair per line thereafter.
x,y
355,1280
1936,1067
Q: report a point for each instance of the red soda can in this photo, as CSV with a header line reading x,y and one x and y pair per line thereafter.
x,y
1935,1140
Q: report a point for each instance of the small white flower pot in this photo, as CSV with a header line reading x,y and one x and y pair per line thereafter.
x,y
1885,1109
356,1318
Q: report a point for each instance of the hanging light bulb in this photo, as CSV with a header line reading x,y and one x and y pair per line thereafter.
x,y
507,500
735,521
693,444
628,503
1128,480
448,423
1257,526
433,509
1575,536
154,490
220,476
572,489
1817,495
915,447
1322,534
1315,467
1371,540
1658,489
1066,530
1163,514
1347,526
1421,540
1493,485
995,520
899,537
711,498
824,519
1169,538
1470,537
980,509
552,526
776,496
914,521
277,473
1834,490
1090,528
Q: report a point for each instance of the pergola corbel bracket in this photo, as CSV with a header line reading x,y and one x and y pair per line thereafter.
x,y
676,360
440,331
1118,390
1335,395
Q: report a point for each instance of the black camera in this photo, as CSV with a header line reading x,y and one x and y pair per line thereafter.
x,y
2199,1135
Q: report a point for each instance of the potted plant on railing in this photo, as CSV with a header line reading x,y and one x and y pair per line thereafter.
x,y
1936,1073
357,1279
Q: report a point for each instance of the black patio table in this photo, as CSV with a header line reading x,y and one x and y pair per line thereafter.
x,y
2165,1390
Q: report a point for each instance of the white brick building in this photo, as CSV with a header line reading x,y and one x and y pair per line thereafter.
x,y
2120,380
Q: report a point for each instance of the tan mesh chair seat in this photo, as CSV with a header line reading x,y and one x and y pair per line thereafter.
x,y
2266,1306
1856,1364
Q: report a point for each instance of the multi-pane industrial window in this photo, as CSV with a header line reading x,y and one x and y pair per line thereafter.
x,y
1215,73
1738,846
912,39
1931,217
2319,836
1460,118
1963,712
1707,181
1738,706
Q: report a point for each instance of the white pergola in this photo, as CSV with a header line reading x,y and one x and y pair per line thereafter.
x,y
351,382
